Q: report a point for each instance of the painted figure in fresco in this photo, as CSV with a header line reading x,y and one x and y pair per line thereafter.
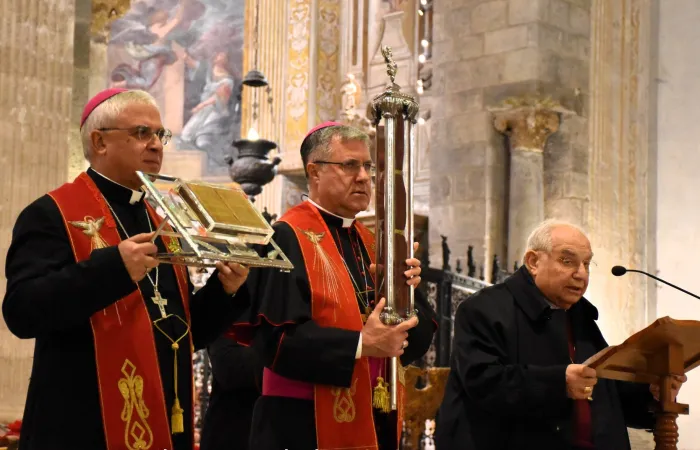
x,y
207,36
147,35
209,126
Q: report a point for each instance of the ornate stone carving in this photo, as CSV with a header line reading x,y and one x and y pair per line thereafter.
x,y
328,35
298,36
104,12
394,5
528,121
350,92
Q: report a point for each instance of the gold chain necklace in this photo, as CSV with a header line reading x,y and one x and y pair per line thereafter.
x,y
358,291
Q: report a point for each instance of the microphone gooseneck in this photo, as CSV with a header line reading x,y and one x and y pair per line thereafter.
x,y
619,271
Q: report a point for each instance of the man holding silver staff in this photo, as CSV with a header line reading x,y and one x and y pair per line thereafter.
x,y
114,329
317,329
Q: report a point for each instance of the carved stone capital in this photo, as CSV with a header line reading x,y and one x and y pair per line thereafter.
x,y
104,12
528,122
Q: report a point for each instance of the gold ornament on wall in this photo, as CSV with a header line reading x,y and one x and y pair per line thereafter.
x,y
104,12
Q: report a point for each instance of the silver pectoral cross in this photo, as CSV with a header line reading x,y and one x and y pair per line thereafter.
x,y
161,302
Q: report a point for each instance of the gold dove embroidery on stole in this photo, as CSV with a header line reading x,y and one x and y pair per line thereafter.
x,y
91,228
332,287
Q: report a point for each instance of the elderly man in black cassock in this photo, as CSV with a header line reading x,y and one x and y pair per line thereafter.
x,y
317,329
114,329
517,379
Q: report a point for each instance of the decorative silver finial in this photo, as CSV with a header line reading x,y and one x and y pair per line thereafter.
x,y
391,66
392,101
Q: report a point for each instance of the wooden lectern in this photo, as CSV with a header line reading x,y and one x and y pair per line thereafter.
x,y
665,348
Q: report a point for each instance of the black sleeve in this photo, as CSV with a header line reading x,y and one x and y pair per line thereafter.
x,y
47,290
307,352
212,310
234,366
488,376
288,340
420,337
636,400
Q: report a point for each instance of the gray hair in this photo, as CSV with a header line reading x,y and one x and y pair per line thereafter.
x,y
318,145
107,111
541,237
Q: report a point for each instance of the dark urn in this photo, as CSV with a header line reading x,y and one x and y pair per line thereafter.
x,y
253,169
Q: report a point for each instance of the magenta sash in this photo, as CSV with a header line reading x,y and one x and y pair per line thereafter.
x,y
275,385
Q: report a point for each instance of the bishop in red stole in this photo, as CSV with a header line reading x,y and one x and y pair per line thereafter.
x,y
109,371
320,389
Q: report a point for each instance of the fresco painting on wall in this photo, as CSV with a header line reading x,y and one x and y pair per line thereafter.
x,y
188,55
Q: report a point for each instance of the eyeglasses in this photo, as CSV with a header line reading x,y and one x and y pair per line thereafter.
x,y
352,166
145,134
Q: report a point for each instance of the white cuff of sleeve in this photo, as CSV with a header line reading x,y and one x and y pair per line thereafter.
x,y
358,353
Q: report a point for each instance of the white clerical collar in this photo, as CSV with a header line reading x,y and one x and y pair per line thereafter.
x,y
550,304
135,195
347,223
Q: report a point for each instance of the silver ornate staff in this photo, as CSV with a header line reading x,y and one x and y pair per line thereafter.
x,y
395,144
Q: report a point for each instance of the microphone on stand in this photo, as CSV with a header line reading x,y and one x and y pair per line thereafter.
x,y
618,271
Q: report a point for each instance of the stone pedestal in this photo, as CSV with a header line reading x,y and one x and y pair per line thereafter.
x,y
527,128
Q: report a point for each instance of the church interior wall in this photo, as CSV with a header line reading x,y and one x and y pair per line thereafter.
x,y
678,237
622,163
36,79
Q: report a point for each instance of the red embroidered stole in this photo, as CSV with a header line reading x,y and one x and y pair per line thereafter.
x,y
344,417
131,394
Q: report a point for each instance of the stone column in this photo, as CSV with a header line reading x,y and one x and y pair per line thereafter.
x,y
621,213
36,80
92,19
483,53
528,126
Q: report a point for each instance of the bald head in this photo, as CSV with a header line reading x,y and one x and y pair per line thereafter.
x,y
542,237
558,257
